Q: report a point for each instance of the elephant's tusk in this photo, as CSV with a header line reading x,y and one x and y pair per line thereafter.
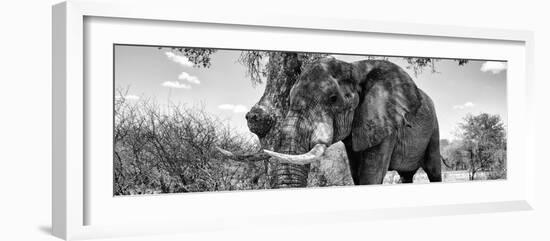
x,y
254,157
314,154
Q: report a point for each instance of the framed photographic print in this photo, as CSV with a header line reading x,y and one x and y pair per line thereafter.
x,y
205,122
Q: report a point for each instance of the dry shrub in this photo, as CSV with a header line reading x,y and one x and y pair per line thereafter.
x,y
172,150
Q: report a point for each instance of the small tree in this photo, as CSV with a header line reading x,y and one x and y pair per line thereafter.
x,y
483,144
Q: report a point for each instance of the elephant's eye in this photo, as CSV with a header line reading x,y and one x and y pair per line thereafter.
x,y
332,99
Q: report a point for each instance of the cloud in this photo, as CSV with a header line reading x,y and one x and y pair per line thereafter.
x,y
464,106
189,78
127,97
234,108
493,67
176,85
179,59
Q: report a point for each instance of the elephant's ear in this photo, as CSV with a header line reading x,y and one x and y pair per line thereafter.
x,y
389,95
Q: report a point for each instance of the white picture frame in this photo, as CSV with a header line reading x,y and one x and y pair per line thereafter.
x,y
72,192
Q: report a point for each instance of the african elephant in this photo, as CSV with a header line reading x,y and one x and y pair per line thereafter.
x,y
373,107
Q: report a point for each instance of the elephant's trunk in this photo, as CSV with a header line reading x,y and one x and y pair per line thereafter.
x,y
291,175
288,174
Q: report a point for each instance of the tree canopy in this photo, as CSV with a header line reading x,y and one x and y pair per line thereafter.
x,y
258,65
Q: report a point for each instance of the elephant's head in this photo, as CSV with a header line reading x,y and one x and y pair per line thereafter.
x,y
366,101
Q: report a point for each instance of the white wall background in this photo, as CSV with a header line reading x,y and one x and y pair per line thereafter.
x,y
25,133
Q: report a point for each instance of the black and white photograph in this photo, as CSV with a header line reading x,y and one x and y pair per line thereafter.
x,y
192,119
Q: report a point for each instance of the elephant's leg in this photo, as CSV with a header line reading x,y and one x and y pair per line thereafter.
x,y
375,161
406,177
354,160
432,159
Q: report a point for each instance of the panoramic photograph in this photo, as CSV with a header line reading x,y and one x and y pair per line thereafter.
x,y
192,119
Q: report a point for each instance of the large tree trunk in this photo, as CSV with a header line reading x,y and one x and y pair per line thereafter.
x,y
264,117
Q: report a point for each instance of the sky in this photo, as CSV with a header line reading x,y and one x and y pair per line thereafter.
x,y
224,90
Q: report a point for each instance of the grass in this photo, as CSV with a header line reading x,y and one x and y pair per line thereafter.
x,y
392,177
